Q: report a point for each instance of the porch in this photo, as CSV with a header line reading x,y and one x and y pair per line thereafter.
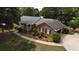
x,y
27,27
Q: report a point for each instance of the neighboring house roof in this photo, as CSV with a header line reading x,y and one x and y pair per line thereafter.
x,y
29,19
53,23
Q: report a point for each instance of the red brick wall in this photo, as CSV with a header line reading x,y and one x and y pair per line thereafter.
x,y
44,25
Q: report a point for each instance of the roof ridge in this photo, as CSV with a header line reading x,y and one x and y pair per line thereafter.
x,y
30,16
37,20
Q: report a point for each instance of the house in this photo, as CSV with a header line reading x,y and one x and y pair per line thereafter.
x,y
44,25
27,22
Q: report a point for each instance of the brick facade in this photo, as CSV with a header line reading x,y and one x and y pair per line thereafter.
x,y
45,28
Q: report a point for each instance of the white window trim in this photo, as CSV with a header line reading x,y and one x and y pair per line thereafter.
x,y
48,31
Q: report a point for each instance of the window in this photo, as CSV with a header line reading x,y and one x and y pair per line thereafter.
x,y
28,25
50,32
45,30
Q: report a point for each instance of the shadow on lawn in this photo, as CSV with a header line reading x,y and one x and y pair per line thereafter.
x,y
24,46
11,42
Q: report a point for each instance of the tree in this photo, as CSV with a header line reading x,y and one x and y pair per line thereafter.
x,y
76,22
36,12
64,14
9,16
29,11
49,12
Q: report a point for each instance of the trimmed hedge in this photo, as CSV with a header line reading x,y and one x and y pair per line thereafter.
x,y
35,32
68,30
56,37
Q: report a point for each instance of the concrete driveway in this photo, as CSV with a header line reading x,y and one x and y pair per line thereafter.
x,y
71,42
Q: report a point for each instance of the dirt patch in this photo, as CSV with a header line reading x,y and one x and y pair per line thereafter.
x,y
4,37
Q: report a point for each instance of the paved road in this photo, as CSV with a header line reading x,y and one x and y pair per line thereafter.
x,y
71,42
38,41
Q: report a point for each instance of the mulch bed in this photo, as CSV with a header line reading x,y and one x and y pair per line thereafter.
x,y
77,30
48,39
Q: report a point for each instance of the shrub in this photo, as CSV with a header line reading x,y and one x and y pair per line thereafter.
x,y
72,24
40,36
65,31
68,30
77,21
71,31
35,32
20,29
56,37
45,36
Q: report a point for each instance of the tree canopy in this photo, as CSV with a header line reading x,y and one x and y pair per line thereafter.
x,y
64,14
9,16
29,11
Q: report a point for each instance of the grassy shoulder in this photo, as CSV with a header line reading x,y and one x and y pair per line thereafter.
x,y
11,42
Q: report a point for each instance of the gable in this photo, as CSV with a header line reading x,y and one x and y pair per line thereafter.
x,y
53,25
44,25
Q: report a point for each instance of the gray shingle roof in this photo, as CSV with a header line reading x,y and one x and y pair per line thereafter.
x,y
43,20
29,19
53,23
56,25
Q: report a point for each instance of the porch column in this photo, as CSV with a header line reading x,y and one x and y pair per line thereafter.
x,y
41,29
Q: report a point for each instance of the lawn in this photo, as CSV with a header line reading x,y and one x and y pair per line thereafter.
x,y
11,42
42,47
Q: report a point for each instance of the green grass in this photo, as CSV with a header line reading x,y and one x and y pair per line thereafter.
x,y
11,42
43,47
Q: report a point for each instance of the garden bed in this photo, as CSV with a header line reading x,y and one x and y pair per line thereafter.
x,y
48,38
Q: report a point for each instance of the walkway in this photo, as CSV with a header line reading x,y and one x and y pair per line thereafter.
x,y
37,41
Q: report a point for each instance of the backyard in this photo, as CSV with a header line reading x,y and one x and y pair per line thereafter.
x,y
11,42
